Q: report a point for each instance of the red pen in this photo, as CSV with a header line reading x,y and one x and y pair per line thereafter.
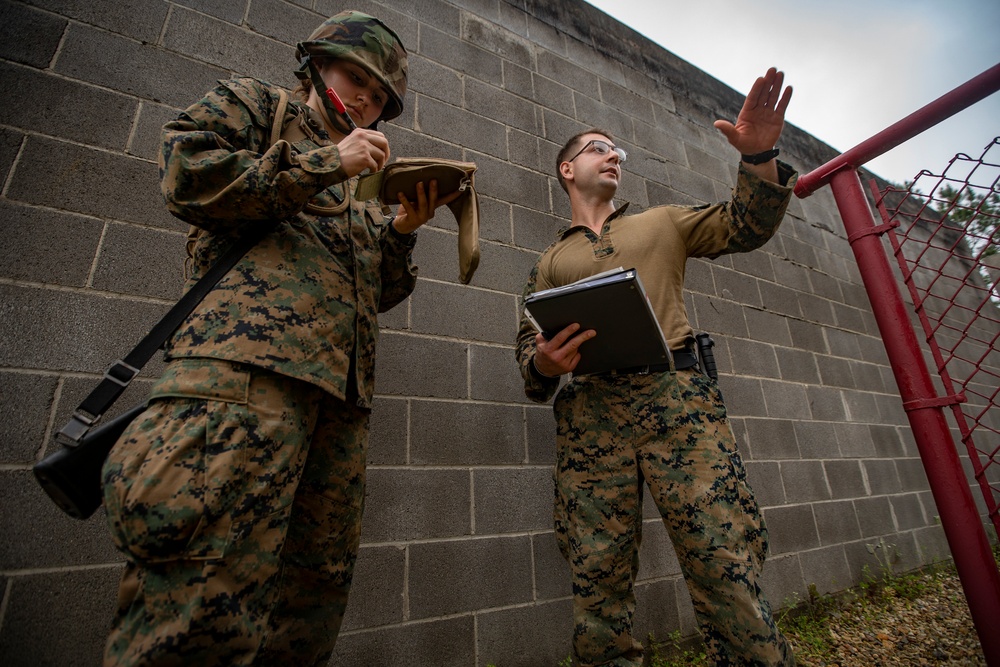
x,y
341,109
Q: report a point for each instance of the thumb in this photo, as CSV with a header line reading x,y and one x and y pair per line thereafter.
x,y
727,128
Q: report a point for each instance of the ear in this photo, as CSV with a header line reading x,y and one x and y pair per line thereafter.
x,y
566,169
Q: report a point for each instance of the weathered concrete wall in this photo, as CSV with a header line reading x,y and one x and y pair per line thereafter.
x,y
458,564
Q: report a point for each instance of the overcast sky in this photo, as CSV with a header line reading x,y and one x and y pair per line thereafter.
x,y
856,66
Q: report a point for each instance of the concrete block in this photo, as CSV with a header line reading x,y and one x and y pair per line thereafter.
x,y
272,18
10,142
834,371
414,366
785,400
825,286
771,439
796,365
519,81
458,312
46,246
468,58
504,269
160,254
783,582
657,557
743,395
867,377
142,70
141,20
765,480
510,183
932,544
908,511
509,500
58,618
593,113
25,403
843,343
551,94
850,318
47,538
460,576
378,588
74,178
791,529
449,433
837,522
807,336
815,309
535,230
498,39
875,516
404,504
861,406
498,105
477,133
762,325
146,139
912,476
61,331
781,300
882,477
785,272
495,375
28,36
846,479
551,571
741,288
433,80
693,184
804,481
557,68
853,440
699,278
539,634
439,643
541,434
720,316
64,109
827,568
522,148
827,404
752,358
199,36
657,613
594,60
388,440
816,440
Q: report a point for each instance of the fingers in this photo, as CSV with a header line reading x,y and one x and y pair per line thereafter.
x,y
561,354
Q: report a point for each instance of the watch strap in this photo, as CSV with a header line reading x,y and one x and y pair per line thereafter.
x,y
760,158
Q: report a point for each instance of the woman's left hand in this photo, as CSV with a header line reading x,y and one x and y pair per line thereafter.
x,y
413,215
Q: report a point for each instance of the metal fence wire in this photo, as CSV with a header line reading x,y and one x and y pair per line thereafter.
x,y
945,233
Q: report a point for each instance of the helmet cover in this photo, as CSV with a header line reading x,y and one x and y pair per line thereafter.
x,y
367,42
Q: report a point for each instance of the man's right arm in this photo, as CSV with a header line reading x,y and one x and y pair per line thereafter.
x,y
537,387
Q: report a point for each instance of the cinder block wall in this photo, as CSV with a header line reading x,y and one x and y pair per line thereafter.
x,y
458,565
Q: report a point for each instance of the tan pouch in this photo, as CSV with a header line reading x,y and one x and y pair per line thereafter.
x,y
451,175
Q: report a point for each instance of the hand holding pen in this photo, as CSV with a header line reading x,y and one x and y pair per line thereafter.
x,y
341,109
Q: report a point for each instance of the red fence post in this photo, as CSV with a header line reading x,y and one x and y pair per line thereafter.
x,y
960,519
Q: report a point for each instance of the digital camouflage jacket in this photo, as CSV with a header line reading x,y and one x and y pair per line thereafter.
x,y
304,301
657,243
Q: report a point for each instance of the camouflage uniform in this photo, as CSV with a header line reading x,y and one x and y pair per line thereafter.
x,y
669,430
237,495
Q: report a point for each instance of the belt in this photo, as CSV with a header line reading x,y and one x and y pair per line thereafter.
x,y
683,359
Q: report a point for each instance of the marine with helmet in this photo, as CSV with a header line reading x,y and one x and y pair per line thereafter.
x,y
237,495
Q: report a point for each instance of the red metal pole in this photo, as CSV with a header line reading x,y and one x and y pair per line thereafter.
x,y
940,109
960,519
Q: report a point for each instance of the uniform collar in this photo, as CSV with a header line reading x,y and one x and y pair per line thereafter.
x,y
566,231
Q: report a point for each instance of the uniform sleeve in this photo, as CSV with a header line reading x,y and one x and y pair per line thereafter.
x,y
744,223
399,274
216,171
537,387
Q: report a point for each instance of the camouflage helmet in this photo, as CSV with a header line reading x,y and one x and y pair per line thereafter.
x,y
367,42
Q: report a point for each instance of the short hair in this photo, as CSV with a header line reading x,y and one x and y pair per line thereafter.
x,y
573,145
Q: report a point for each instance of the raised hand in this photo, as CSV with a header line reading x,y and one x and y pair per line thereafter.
x,y
762,117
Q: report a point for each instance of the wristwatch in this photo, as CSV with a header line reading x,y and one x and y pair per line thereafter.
x,y
760,158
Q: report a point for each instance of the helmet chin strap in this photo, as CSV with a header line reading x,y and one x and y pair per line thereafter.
x,y
310,70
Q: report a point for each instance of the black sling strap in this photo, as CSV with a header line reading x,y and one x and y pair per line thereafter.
x,y
123,371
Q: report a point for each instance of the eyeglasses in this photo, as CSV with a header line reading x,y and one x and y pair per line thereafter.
x,y
601,148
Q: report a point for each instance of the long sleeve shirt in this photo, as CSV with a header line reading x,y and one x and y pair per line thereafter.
x,y
657,243
303,302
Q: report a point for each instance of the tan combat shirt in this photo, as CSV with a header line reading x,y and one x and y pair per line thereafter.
x,y
657,243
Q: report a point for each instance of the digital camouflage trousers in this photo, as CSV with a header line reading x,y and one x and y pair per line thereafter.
x,y
615,432
236,498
